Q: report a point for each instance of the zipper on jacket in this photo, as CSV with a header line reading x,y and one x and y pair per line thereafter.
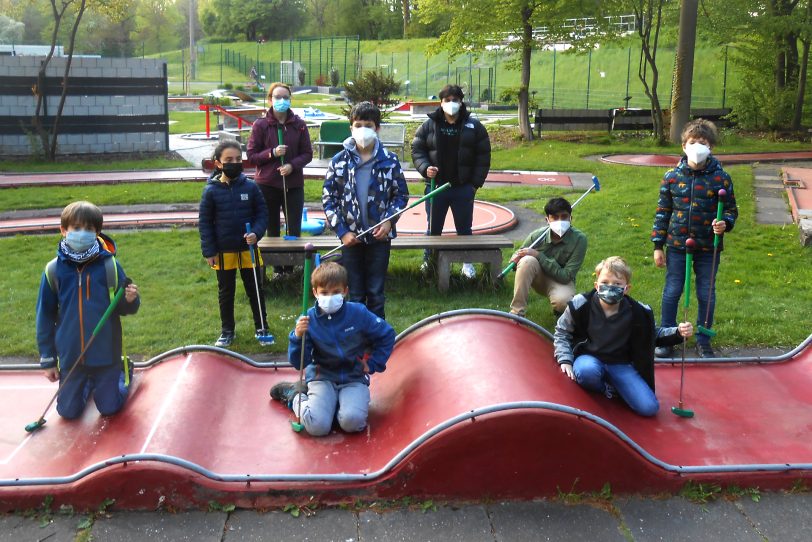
x,y
81,316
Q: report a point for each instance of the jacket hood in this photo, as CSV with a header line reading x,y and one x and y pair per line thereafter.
x,y
273,121
351,147
214,178
711,164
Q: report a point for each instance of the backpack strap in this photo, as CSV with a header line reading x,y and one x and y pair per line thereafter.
x,y
110,269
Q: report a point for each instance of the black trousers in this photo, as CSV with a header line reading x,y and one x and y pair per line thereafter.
x,y
226,288
275,200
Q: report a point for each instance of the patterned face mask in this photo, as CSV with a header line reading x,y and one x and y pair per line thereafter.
x,y
611,294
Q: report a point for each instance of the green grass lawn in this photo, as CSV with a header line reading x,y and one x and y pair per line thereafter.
x,y
764,292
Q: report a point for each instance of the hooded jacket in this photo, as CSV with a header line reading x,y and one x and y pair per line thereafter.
x,y
474,152
67,316
388,192
687,206
265,137
336,343
225,208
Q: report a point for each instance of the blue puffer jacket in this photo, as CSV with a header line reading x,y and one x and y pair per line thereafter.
x,y
336,343
225,208
388,192
687,206
66,319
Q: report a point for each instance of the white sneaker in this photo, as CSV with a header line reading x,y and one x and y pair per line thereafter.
x,y
468,270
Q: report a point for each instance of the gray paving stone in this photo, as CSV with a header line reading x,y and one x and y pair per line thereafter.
x,y
20,529
679,519
148,526
324,526
534,521
468,524
780,517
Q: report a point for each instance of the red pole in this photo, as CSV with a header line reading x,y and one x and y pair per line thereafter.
x,y
208,123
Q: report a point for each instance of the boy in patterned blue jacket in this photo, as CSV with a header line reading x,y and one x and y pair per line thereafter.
x,y
363,186
74,293
344,343
686,209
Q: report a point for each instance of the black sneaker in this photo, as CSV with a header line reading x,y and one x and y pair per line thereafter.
x,y
705,351
226,338
664,351
285,391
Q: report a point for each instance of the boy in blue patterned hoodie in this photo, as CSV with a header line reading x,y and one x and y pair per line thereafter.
x,y
363,186
344,343
689,194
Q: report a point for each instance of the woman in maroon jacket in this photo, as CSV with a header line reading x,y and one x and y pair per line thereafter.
x,y
280,147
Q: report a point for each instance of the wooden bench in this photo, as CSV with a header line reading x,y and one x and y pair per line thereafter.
x,y
485,249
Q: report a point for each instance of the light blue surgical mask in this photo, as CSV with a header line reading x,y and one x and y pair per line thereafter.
x,y
281,105
330,304
80,240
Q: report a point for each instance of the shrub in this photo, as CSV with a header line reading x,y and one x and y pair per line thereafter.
x,y
321,80
228,86
334,76
373,86
300,75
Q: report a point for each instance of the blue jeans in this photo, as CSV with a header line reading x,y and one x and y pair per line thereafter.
x,y
367,266
323,399
104,382
675,282
460,199
593,375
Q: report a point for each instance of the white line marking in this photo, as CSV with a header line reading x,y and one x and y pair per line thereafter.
x,y
28,436
167,401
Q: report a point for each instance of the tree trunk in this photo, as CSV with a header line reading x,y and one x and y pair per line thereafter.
x,y
39,90
407,17
524,85
65,79
683,69
799,98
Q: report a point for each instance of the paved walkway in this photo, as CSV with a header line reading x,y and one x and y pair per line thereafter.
x,y
776,517
670,160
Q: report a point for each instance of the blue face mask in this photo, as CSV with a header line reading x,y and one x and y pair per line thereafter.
x,y
80,240
611,294
281,105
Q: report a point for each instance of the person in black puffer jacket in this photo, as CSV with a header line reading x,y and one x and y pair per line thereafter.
x,y
230,201
452,147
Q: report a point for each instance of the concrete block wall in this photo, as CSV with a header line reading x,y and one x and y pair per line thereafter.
x,y
129,107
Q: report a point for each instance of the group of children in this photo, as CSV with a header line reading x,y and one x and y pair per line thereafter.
x,y
604,339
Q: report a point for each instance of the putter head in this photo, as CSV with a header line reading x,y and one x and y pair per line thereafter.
x,y
597,183
265,338
296,426
33,426
702,330
682,412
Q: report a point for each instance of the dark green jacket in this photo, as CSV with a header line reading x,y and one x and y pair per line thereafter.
x,y
560,261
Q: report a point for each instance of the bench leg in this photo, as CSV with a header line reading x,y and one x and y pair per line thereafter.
x,y
491,258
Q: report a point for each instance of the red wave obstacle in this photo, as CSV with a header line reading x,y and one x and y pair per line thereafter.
x,y
471,406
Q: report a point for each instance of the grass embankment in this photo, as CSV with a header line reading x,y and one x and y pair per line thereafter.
x,y
764,292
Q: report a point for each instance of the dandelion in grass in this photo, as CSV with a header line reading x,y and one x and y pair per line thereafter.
x,y
737,281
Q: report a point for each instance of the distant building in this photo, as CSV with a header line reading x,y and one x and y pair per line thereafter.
x,y
30,50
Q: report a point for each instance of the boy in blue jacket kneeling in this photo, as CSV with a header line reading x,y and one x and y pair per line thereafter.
x,y
344,343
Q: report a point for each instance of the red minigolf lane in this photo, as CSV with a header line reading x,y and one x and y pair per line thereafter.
x,y
469,405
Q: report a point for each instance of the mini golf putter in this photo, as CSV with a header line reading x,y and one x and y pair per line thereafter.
x,y
310,249
263,336
705,330
690,244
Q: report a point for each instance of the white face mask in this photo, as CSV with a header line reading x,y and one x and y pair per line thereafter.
x,y
451,108
364,136
697,153
330,304
560,227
